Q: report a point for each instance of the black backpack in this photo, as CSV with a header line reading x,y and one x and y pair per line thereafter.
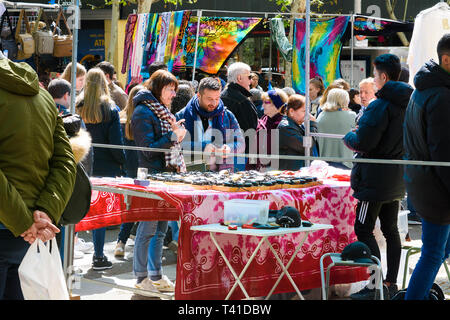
x,y
80,201
436,293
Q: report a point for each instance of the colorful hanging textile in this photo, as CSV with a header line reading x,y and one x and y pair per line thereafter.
x,y
164,37
129,30
181,20
138,47
163,33
370,26
218,38
151,40
280,38
325,49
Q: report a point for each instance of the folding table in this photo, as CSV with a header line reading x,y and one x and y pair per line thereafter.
x,y
264,234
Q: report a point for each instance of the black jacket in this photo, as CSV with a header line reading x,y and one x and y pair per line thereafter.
x,y
380,136
147,132
236,99
291,143
427,138
107,162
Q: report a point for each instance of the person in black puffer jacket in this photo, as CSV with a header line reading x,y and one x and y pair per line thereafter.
x,y
380,187
427,138
235,97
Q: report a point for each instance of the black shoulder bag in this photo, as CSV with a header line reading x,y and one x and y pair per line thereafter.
x,y
7,37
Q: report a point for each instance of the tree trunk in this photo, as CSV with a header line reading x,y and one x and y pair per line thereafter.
x,y
391,13
114,22
144,6
297,6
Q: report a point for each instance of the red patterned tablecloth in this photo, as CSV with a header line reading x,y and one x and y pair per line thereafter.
x,y
201,272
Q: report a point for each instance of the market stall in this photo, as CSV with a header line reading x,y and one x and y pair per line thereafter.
x,y
201,272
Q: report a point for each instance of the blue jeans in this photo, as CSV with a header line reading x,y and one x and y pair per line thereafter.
x,y
175,230
148,249
435,250
12,251
98,237
124,233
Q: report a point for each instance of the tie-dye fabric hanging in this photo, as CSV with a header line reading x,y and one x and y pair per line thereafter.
x,y
325,50
151,40
175,50
370,26
218,38
164,37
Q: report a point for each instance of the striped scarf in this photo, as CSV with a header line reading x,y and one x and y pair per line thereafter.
x,y
174,158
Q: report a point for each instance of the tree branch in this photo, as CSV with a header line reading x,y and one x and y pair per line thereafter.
x,y
391,13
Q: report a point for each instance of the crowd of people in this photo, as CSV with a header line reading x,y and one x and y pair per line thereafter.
x,y
225,118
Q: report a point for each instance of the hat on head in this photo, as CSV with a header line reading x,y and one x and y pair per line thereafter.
x,y
357,252
273,95
289,217
72,124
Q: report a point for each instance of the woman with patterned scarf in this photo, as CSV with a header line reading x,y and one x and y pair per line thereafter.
x,y
154,126
273,103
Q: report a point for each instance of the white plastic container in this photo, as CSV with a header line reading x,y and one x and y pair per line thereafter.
x,y
240,211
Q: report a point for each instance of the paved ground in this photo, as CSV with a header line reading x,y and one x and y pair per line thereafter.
x,y
122,274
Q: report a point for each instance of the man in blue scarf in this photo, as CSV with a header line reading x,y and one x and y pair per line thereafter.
x,y
212,127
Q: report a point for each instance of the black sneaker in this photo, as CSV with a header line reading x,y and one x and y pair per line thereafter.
x,y
363,294
370,294
392,291
101,263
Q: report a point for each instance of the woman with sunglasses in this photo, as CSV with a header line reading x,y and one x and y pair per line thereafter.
x,y
273,103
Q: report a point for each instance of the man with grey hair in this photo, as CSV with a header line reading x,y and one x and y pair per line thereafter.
x,y
236,98
367,90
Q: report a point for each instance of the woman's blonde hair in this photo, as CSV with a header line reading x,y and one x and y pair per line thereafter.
x,y
67,74
332,86
337,99
127,112
94,104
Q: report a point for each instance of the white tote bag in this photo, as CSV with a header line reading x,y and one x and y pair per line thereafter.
x,y
41,274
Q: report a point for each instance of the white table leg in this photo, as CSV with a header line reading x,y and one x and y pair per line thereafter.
x,y
238,278
285,271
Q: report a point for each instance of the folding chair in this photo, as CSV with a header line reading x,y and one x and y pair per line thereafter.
x,y
413,247
336,260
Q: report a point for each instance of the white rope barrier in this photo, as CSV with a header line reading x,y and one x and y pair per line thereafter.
x,y
285,157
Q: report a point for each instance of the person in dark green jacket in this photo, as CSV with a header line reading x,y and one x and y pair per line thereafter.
x,y
37,169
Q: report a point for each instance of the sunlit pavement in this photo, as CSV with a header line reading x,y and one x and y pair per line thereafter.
x,y
122,273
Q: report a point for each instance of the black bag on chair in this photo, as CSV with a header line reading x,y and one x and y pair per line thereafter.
x,y
436,293
80,201
7,37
